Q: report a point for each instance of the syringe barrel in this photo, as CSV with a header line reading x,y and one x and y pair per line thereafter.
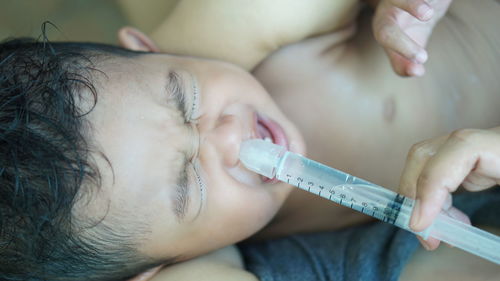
x,y
466,237
346,190
272,161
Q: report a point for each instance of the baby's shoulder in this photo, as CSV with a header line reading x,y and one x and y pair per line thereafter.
x,y
221,265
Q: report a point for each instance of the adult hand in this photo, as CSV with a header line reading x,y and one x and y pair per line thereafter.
x,y
403,28
435,168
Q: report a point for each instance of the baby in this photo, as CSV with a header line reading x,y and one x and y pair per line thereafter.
x,y
116,162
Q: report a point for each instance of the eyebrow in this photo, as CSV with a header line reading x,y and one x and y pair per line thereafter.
x,y
177,94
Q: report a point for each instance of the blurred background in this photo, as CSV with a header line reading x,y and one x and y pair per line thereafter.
x,y
79,20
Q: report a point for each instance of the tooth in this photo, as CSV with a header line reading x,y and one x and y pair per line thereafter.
x,y
268,139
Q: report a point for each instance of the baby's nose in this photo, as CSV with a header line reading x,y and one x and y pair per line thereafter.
x,y
227,138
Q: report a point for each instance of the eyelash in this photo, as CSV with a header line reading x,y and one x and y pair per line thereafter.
x,y
194,110
199,182
195,102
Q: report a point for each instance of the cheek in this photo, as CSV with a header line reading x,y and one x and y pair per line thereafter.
x,y
235,197
242,208
252,92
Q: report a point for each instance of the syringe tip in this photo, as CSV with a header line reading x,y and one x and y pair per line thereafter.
x,y
261,156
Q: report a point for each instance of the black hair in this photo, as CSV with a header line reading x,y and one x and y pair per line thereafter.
x,y
45,167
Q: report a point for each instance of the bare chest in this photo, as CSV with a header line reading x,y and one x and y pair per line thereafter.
x,y
358,116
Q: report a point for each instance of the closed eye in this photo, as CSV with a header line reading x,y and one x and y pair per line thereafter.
x,y
187,104
196,100
177,92
195,165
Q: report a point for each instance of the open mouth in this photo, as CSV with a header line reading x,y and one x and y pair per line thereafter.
x,y
270,130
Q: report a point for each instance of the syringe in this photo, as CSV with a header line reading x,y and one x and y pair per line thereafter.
x,y
272,160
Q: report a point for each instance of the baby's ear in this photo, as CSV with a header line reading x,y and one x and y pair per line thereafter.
x,y
135,40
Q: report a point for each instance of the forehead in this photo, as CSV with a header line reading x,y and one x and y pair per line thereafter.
x,y
127,87
121,74
139,132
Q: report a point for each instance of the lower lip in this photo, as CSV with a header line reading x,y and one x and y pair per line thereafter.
x,y
277,134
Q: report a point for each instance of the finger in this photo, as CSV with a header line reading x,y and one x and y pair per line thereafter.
x,y
403,66
448,202
458,215
417,8
415,69
391,37
442,175
398,62
430,244
477,182
416,160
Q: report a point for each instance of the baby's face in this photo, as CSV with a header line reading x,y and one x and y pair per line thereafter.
x,y
178,172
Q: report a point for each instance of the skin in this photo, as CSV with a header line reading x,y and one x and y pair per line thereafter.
x,y
370,122
219,22
403,28
341,80
143,135
438,167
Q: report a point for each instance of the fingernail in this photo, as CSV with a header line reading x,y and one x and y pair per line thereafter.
x,y
426,246
421,57
425,11
415,218
416,71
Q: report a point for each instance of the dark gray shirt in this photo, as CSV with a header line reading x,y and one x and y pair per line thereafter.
x,y
376,251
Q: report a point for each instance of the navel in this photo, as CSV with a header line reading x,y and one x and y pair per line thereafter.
x,y
389,109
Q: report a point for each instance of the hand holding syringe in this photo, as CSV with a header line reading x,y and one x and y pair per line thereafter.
x,y
272,161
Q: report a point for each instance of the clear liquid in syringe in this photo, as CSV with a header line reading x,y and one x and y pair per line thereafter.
x,y
346,190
